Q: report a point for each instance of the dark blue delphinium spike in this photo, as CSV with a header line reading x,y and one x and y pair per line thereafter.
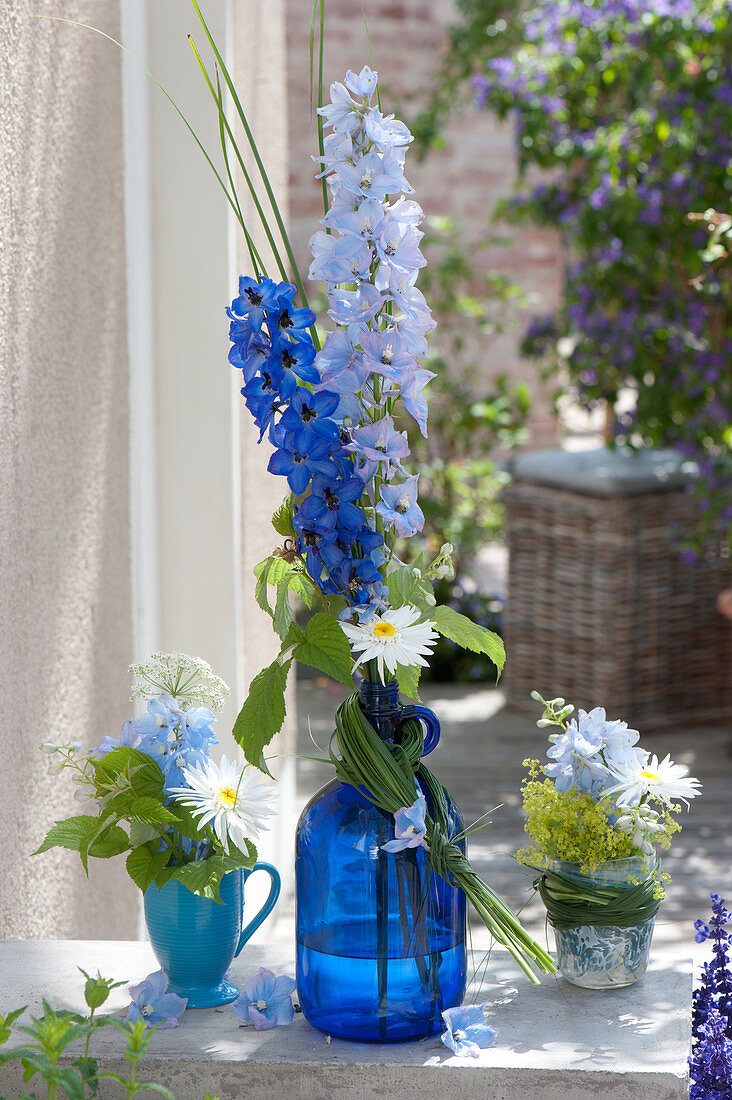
x,y
710,1063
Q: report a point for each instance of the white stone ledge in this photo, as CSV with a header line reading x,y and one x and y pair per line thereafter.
x,y
555,1041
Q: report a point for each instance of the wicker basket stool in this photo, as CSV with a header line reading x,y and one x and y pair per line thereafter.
x,y
601,609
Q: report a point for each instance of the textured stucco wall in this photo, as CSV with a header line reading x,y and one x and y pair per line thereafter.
x,y
64,529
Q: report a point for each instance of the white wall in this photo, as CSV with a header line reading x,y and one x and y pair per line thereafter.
x,y
98,566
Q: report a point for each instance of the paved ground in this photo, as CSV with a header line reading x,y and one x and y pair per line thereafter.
x,y
479,761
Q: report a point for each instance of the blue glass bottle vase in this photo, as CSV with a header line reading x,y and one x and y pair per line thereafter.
x,y
380,936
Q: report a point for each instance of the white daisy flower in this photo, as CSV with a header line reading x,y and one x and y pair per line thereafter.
x,y
392,638
641,775
234,801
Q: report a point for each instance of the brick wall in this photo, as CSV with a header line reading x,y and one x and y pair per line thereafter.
x,y
476,167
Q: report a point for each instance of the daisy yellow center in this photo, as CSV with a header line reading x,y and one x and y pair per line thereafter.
x,y
652,776
227,795
384,630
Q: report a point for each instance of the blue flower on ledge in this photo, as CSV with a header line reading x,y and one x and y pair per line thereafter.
x,y
266,1001
467,1032
151,1003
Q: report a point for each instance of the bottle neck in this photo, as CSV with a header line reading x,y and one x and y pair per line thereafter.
x,y
380,704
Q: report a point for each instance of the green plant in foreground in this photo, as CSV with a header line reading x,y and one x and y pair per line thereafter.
x,y
50,1036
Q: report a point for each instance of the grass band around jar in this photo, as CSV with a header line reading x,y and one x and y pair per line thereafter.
x,y
575,900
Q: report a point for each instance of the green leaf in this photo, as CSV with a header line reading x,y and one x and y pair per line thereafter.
x,y
408,678
282,519
152,1087
260,590
105,824
462,630
405,587
145,776
143,866
202,876
76,832
303,587
150,811
7,1021
89,1070
185,823
141,833
71,1080
283,616
325,647
263,712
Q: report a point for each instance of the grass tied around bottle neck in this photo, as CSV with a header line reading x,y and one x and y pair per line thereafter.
x,y
575,900
385,774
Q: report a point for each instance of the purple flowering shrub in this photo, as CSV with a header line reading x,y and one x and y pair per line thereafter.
x,y
710,1063
625,105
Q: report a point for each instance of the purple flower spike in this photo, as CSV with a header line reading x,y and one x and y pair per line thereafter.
x,y
151,1003
409,827
266,1001
467,1032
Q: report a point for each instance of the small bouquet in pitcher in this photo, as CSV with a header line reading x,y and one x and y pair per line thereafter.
x,y
598,813
159,796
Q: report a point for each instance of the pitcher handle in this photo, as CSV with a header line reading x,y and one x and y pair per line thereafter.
x,y
430,722
264,912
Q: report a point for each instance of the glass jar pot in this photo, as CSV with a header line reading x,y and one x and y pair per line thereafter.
x,y
380,936
600,956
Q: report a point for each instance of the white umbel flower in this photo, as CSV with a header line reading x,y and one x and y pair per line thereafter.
x,y
642,775
392,638
232,800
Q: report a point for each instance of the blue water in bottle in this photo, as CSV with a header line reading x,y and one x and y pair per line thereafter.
x,y
380,937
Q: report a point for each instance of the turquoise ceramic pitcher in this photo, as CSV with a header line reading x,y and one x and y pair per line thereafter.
x,y
196,939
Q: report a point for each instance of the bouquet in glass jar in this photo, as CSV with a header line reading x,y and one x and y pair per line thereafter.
x,y
598,814
331,406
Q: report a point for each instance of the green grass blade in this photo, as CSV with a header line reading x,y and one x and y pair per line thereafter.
x,y
321,142
371,52
252,189
174,105
257,265
258,160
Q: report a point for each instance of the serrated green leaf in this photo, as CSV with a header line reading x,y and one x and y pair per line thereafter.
x,y
144,865
406,588
408,679
263,712
95,840
151,812
462,630
77,831
185,823
89,1070
282,519
203,876
71,1081
325,647
141,833
145,776
283,616
303,587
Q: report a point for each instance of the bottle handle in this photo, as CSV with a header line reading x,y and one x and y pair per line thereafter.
x,y
264,912
430,721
